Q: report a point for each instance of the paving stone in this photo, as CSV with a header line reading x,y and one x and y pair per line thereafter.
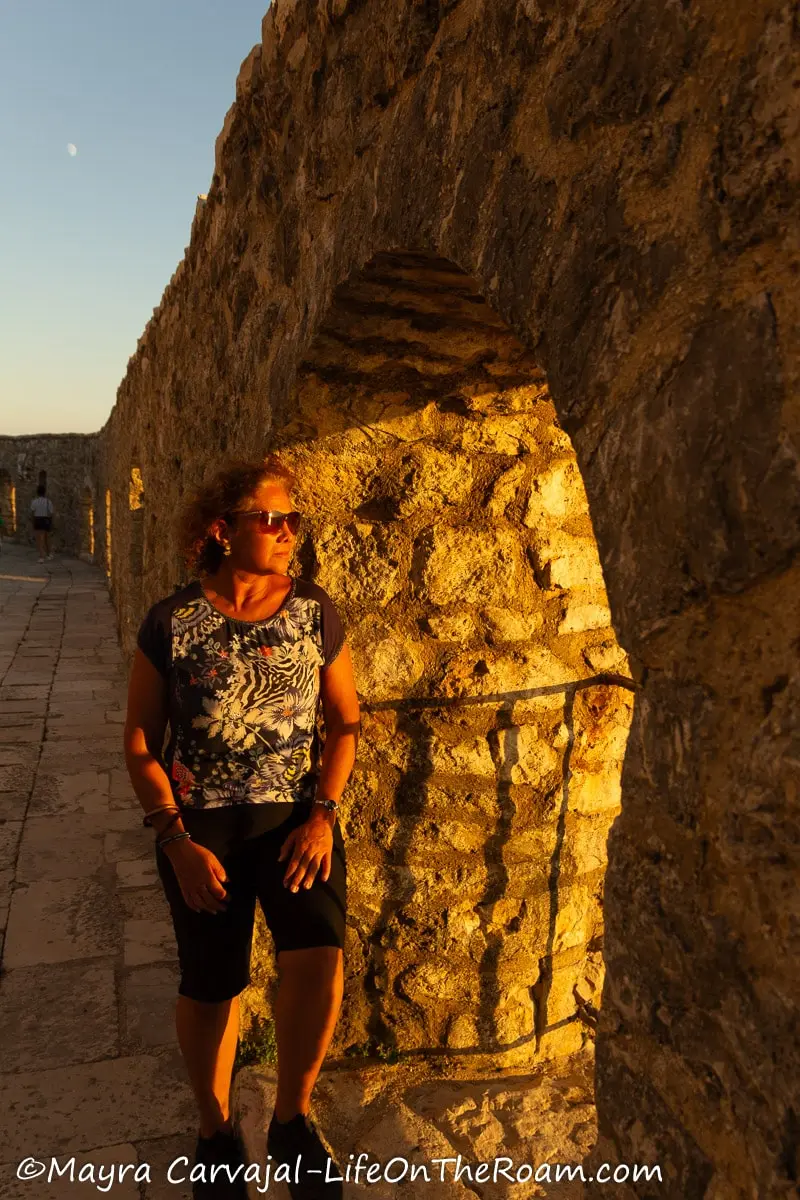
x,y
24,691
120,783
16,676
85,710
19,720
79,791
55,1015
66,1176
6,888
149,993
86,730
124,820
63,1088
61,847
74,689
12,805
9,841
149,942
22,733
126,804
22,754
55,761
112,697
130,843
137,874
85,744
121,1100
59,921
17,779
79,646
163,1156
144,904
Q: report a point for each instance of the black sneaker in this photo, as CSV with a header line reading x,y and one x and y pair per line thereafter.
x,y
220,1150
300,1137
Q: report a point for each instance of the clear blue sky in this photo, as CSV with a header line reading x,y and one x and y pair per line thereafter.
x,y
89,242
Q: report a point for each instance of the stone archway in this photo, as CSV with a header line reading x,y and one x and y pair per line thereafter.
x,y
87,527
631,225
8,504
108,559
449,523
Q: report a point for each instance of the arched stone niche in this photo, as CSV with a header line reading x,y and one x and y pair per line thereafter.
x,y
133,531
8,504
87,526
108,553
447,520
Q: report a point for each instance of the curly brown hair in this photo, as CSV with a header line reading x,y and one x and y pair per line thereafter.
x,y
218,496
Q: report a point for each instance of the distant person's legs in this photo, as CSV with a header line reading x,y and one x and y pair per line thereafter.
x,y
41,544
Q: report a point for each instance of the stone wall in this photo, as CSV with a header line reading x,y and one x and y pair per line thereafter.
x,y
618,183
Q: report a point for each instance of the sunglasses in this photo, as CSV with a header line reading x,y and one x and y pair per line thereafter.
x,y
271,521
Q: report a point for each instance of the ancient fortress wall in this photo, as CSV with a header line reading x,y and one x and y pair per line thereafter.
x,y
513,287
67,464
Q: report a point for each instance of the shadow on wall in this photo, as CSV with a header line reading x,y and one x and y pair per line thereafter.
x,y
411,808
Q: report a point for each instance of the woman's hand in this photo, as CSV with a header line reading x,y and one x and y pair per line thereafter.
x,y
200,875
311,846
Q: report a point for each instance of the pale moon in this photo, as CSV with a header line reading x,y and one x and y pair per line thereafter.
x,y
72,150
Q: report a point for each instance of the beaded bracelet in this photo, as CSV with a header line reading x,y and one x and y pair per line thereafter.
x,y
175,837
160,808
175,817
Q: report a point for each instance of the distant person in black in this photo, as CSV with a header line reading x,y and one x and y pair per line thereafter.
x,y
236,663
42,517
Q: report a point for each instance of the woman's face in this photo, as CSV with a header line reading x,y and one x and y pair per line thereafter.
x,y
252,550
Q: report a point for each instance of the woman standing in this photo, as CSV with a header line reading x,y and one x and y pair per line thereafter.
x,y
243,810
42,516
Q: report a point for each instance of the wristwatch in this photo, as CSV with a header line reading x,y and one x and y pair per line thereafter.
x,y
331,805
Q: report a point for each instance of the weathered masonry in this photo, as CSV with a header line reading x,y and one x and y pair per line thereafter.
x,y
512,287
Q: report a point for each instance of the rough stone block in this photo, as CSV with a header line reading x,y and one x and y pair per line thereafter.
x,y
122,1100
10,832
60,847
148,942
57,921
464,567
149,994
137,874
57,1015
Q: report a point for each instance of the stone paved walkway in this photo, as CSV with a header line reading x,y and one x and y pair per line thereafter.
x,y
88,1058
89,1065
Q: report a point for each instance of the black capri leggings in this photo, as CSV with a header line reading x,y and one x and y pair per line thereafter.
x,y
214,948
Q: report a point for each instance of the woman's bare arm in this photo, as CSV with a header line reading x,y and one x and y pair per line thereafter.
x,y
342,714
145,725
200,874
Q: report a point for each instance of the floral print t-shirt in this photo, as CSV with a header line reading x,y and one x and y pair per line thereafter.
x,y
243,695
